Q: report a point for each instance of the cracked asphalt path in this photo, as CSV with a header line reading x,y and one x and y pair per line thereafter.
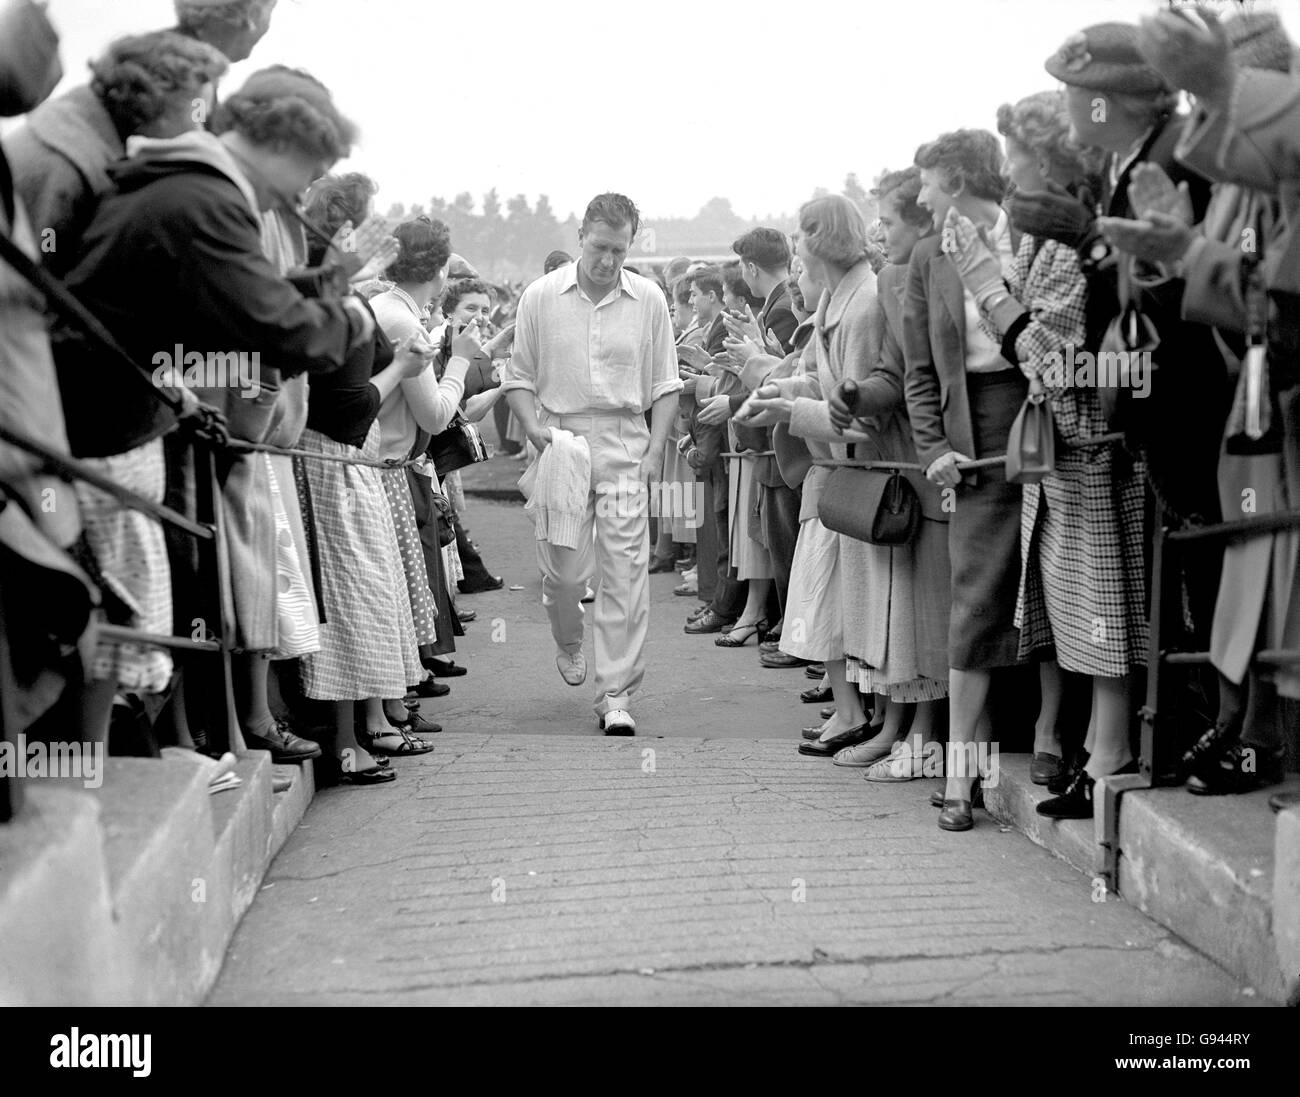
x,y
529,860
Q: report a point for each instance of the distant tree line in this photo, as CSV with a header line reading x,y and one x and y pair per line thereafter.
x,y
511,243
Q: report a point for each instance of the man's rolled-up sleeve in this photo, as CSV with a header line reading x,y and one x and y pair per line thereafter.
x,y
664,378
520,371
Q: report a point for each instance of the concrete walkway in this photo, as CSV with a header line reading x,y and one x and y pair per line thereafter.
x,y
530,860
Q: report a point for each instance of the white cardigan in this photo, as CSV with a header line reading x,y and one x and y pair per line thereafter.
x,y
557,485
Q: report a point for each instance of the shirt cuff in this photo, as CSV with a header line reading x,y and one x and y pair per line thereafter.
x,y
666,388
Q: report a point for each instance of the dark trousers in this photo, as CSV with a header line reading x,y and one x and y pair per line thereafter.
x,y
729,592
706,543
448,624
780,518
476,572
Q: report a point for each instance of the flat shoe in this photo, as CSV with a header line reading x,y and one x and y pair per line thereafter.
x,y
816,695
828,749
780,661
445,668
864,754
429,687
1045,768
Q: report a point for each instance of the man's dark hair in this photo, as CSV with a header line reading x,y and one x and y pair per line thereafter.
x,y
556,260
769,249
733,279
708,280
973,157
616,210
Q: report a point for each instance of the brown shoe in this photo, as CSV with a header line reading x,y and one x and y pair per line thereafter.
x,y
708,621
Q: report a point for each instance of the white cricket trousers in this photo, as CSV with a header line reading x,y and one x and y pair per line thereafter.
x,y
616,529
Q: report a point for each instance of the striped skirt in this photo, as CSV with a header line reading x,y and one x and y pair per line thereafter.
x,y
368,644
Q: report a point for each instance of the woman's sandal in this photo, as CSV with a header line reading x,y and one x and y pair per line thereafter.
x,y
744,632
409,744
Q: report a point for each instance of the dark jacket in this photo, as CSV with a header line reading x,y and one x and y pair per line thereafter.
x,y
934,347
174,259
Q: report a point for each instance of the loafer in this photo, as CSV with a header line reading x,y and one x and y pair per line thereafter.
x,y
706,622
828,749
445,668
779,660
283,744
430,687
1045,768
492,582
817,671
618,722
956,815
816,695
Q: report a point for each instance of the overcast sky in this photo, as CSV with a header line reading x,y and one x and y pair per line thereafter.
x,y
669,101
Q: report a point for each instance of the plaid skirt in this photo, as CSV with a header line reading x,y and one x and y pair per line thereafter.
x,y
131,553
367,640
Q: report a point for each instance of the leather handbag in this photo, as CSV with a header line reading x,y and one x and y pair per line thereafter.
x,y
1031,442
878,506
457,446
1128,335
443,516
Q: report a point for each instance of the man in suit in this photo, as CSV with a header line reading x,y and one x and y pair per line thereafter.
x,y
728,597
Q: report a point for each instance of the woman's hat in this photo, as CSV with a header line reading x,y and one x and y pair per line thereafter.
x,y
1105,57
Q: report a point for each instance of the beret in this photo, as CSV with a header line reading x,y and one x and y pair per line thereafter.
x,y
1105,57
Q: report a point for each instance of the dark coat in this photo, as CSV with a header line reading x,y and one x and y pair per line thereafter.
x,y
174,258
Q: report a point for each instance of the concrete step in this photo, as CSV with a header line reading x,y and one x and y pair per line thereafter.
x,y
57,938
141,881
1222,872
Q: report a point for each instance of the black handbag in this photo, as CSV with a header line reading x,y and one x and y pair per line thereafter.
x,y
457,446
1129,336
878,506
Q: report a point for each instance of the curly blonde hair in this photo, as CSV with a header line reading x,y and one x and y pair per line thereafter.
x,y
1041,123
